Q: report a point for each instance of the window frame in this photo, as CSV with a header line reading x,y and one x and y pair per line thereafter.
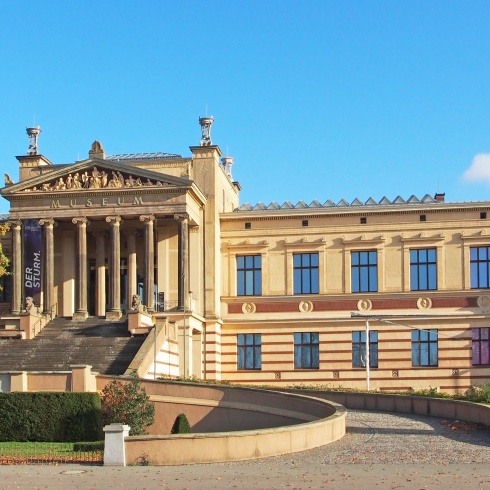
x,y
477,266
306,350
359,348
479,341
417,265
361,272
249,351
242,273
306,273
422,345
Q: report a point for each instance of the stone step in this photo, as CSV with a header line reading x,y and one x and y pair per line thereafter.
x,y
104,345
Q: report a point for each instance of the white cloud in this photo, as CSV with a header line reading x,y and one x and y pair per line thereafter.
x,y
479,170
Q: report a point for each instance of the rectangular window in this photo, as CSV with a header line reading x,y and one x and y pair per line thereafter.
x,y
480,267
306,350
359,348
364,271
249,275
424,348
423,269
305,273
249,350
481,346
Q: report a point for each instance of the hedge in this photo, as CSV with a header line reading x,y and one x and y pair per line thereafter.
x,y
50,417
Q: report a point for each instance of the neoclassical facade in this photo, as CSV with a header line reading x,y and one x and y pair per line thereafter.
x,y
390,294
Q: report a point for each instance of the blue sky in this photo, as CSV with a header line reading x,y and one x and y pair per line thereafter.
x,y
314,99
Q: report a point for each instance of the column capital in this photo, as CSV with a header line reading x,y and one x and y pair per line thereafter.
x,y
115,219
80,221
147,217
181,216
14,223
47,222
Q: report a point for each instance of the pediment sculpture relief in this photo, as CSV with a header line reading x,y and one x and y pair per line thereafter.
x,y
96,179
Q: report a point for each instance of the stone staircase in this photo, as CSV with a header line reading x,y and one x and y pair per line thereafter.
x,y
104,345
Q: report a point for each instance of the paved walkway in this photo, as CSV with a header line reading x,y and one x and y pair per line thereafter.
x,y
380,450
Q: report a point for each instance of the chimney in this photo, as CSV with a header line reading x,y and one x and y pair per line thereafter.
x,y
439,197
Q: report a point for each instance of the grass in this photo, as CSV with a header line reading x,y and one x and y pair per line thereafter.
x,y
45,452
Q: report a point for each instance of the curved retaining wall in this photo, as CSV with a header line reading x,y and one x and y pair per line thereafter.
x,y
252,424
435,407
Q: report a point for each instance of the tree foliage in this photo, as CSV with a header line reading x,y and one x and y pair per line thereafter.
x,y
4,261
127,403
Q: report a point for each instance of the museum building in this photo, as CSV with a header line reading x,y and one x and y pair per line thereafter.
x,y
389,294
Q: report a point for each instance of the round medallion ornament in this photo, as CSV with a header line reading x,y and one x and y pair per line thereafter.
x,y
248,308
424,303
364,305
483,302
305,306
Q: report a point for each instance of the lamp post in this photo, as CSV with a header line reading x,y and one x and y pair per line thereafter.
x,y
368,356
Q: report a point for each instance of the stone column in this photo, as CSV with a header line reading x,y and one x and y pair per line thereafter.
x,y
132,265
183,258
115,269
82,312
16,267
149,221
49,302
100,299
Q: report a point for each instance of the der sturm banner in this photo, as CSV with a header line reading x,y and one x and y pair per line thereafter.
x,y
32,257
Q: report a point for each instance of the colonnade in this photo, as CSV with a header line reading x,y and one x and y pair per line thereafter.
x,y
81,278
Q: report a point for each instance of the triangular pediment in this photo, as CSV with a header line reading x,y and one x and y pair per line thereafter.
x,y
93,174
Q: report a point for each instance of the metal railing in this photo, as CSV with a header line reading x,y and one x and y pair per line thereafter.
x,y
52,311
12,453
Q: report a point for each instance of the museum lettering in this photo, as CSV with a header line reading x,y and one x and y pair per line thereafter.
x,y
104,201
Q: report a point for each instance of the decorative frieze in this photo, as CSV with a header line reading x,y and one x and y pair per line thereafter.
x,y
97,179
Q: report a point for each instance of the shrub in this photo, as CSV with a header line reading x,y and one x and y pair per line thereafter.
x,y
50,417
127,403
479,394
181,425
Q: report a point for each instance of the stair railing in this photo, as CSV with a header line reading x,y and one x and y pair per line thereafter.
x,y
37,327
52,311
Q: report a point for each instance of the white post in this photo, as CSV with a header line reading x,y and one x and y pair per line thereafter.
x,y
367,353
114,450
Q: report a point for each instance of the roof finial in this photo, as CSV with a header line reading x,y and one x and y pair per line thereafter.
x,y
33,134
206,123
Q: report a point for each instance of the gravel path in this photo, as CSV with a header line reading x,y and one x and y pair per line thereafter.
x,y
380,450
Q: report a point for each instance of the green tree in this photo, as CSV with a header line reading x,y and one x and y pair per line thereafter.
x,y
4,261
181,425
127,403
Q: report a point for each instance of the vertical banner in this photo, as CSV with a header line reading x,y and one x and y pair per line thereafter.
x,y
32,258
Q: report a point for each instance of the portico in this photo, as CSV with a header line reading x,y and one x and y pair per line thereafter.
x,y
101,236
